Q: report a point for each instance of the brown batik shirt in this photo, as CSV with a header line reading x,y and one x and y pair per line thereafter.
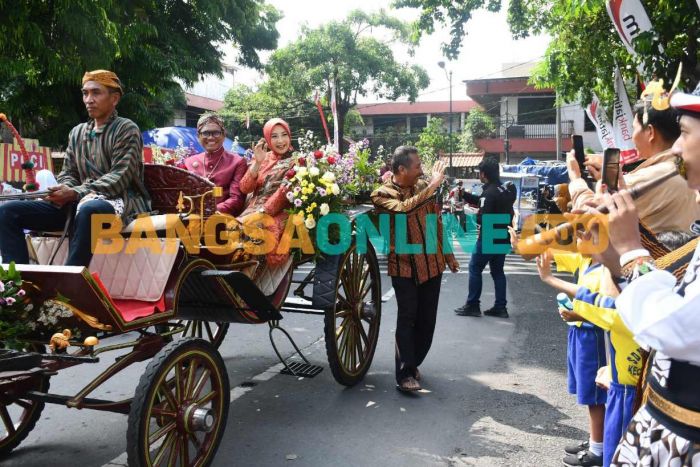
x,y
416,202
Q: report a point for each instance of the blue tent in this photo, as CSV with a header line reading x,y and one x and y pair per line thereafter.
x,y
173,136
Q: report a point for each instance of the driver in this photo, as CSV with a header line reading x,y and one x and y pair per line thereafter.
x,y
102,174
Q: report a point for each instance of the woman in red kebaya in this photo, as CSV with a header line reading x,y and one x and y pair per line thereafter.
x,y
270,165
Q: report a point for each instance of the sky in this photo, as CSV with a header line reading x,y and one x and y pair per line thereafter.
x,y
487,46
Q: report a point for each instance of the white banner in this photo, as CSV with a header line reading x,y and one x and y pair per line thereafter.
x,y
596,113
630,20
698,3
334,110
622,122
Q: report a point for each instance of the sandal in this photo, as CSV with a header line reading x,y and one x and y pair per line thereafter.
x,y
408,384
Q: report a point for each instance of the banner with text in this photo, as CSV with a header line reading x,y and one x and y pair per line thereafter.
x,y
596,113
11,159
630,20
622,122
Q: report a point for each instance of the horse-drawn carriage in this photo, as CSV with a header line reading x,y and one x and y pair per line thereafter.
x,y
177,306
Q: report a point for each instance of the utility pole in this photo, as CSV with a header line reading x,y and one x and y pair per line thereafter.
x,y
558,129
441,64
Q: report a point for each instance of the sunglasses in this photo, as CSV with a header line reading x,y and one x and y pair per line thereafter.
x,y
210,134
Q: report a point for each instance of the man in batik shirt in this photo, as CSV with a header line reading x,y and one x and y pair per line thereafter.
x,y
664,317
102,174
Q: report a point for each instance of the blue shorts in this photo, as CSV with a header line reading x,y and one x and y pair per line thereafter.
x,y
618,413
586,354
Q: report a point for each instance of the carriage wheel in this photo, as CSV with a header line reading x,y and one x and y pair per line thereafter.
x,y
19,415
210,331
179,411
352,325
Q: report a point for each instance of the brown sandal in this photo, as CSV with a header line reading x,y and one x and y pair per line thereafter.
x,y
408,384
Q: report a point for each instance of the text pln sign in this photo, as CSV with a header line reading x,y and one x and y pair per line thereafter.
x,y
11,159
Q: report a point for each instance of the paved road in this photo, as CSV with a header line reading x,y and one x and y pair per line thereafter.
x,y
496,396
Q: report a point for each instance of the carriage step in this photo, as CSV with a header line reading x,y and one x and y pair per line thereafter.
x,y
301,369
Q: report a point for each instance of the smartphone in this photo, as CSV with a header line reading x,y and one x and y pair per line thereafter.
x,y
611,169
577,142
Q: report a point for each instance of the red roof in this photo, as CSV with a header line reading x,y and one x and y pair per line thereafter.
x,y
203,102
434,107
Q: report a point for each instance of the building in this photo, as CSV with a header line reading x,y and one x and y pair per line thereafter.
x,y
526,117
206,95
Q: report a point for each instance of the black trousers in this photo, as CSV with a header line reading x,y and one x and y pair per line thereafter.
x,y
15,216
415,324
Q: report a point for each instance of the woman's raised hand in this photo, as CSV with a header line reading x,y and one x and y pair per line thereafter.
x,y
260,152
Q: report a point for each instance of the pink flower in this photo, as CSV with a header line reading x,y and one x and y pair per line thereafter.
x,y
21,293
10,301
387,175
2,286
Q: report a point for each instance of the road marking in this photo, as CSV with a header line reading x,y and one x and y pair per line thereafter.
x,y
236,393
387,296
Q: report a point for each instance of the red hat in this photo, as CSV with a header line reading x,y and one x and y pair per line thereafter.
x,y
272,123
687,103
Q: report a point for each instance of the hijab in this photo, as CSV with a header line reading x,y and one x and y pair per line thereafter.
x,y
270,125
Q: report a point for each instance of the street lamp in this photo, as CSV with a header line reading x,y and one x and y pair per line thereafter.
x,y
441,64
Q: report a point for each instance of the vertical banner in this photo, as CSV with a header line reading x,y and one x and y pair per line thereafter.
x,y
334,110
630,20
596,113
317,100
622,122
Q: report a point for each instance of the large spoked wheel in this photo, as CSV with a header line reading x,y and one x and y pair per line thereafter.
x,y
210,331
179,411
352,325
19,415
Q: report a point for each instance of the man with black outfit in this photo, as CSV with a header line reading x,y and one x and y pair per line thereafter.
x,y
494,199
416,277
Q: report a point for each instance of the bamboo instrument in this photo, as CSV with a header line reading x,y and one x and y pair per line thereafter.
x,y
20,196
528,244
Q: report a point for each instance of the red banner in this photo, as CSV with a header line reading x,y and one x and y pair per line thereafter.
x,y
11,160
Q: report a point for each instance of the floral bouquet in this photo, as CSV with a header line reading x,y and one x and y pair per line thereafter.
x,y
176,157
15,309
363,171
312,186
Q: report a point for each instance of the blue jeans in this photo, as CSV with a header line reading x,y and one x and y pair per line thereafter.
x,y
477,263
41,216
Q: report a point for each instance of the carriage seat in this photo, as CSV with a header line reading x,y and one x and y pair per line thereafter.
x,y
138,276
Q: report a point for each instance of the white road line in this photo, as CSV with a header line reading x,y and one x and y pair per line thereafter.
x,y
387,296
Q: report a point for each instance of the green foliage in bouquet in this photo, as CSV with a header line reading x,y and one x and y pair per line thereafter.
x,y
364,173
15,308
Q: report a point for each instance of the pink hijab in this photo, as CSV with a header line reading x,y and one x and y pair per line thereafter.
x,y
270,125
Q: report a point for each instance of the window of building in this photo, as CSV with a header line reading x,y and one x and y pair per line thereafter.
x,y
536,110
418,123
389,123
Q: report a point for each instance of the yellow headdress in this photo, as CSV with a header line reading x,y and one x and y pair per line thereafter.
x,y
655,94
105,78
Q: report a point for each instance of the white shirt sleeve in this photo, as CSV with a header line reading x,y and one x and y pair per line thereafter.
x,y
661,318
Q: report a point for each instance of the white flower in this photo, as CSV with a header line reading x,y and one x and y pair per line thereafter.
x,y
335,189
310,223
290,196
330,176
301,171
2,286
324,209
314,171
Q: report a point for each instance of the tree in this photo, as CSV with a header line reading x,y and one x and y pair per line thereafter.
x,y
478,125
585,48
345,53
433,140
46,47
